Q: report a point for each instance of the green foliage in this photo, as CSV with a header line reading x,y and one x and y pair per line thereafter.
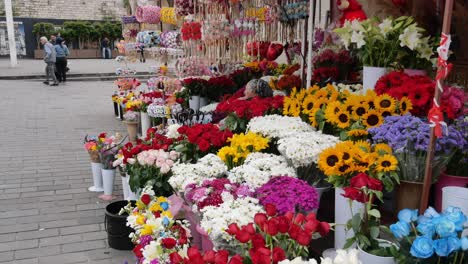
x,y
43,29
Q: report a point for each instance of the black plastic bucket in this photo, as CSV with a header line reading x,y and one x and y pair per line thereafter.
x,y
116,109
116,228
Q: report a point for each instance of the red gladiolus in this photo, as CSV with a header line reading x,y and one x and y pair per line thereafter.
x,y
222,257
175,258
137,250
260,219
146,199
233,229
169,242
270,209
278,255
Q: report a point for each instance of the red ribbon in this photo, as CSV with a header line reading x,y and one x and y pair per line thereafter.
x,y
436,118
443,51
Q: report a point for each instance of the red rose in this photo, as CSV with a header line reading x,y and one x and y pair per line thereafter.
x,y
311,216
354,194
303,239
193,253
222,257
278,255
294,231
182,129
209,256
289,216
236,260
137,250
175,258
311,226
157,214
283,224
102,135
242,236
203,145
270,209
359,181
375,184
299,219
258,241
260,219
249,228
233,229
169,242
271,227
260,255
324,228
146,198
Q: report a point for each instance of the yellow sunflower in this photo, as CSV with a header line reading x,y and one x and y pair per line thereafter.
x,y
312,117
295,108
372,119
385,102
286,106
405,105
359,110
342,119
349,105
344,168
321,93
346,152
333,108
387,163
308,104
383,148
329,160
321,102
363,145
301,95
358,133
312,89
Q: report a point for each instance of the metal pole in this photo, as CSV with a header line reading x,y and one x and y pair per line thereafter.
x,y
310,38
11,33
431,147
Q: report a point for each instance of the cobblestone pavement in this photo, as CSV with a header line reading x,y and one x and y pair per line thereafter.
x,y
46,213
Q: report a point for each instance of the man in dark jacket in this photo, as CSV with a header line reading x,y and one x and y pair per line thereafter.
x,y
105,45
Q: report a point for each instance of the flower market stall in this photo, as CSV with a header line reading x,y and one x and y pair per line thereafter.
x,y
230,156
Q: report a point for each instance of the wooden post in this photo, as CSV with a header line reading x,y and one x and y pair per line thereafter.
x,y
437,93
11,33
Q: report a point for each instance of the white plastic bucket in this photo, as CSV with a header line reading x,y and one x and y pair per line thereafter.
x,y
96,168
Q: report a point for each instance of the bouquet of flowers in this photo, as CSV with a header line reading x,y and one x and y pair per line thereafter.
x,y
217,87
90,145
392,42
302,151
333,64
346,159
210,256
272,237
200,139
241,145
131,116
209,193
107,147
288,195
259,168
196,86
432,237
277,126
157,235
134,105
409,137
288,82
210,166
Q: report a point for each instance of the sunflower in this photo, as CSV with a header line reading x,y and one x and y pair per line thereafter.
x,y
333,107
287,106
405,105
348,106
385,102
312,117
301,95
346,151
329,160
383,148
359,110
387,163
386,113
372,119
311,90
295,109
321,93
319,103
308,104
344,168
358,133
364,160
363,145
342,119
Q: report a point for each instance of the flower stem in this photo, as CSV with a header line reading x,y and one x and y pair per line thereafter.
x,y
461,258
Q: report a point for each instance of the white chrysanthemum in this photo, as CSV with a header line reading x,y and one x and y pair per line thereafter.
x,y
172,131
353,88
410,37
276,126
303,149
298,260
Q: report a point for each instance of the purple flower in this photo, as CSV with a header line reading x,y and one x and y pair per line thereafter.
x,y
288,194
145,240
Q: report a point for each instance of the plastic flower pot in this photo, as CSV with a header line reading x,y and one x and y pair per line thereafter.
x,y
342,215
409,195
116,109
203,102
446,180
457,197
145,123
132,130
97,177
365,257
370,76
320,191
108,184
116,228
194,102
125,187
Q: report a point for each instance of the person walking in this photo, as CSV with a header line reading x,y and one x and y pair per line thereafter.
x,y
49,59
105,48
61,62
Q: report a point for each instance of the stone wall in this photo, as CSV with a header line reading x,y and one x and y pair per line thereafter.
x,y
68,9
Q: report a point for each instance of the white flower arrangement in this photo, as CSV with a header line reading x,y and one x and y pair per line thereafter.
x,y
259,168
277,126
209,108
215,220
342,257
352,88
303,149
172,131
131,116
210,166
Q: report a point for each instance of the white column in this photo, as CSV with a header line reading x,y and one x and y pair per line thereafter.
x,y
310,38
11,33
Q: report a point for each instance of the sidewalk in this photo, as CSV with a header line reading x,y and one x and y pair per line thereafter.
x,y
29,67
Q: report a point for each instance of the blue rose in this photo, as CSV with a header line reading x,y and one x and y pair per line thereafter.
x,y
423,219
408,215
455,215
464,243
445,227
431,212
422,247
445,246
426,228
400,229
164,205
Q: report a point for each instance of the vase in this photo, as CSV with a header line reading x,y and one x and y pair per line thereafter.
x,y
97,177
409,195
457,197
446,180
343,213
194,102
145,123
132,196
203,102
132,130
121,112
367,258
116,109
108,176
125,187
320,191
370,76
413,72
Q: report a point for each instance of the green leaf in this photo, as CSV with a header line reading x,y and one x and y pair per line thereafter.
x,y
349,243
374,232
375,213
356,222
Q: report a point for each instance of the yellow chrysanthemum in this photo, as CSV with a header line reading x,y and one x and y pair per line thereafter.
x,y
405,105
387,163
385,102
312,117
372,119
358,133
329,160
383,148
